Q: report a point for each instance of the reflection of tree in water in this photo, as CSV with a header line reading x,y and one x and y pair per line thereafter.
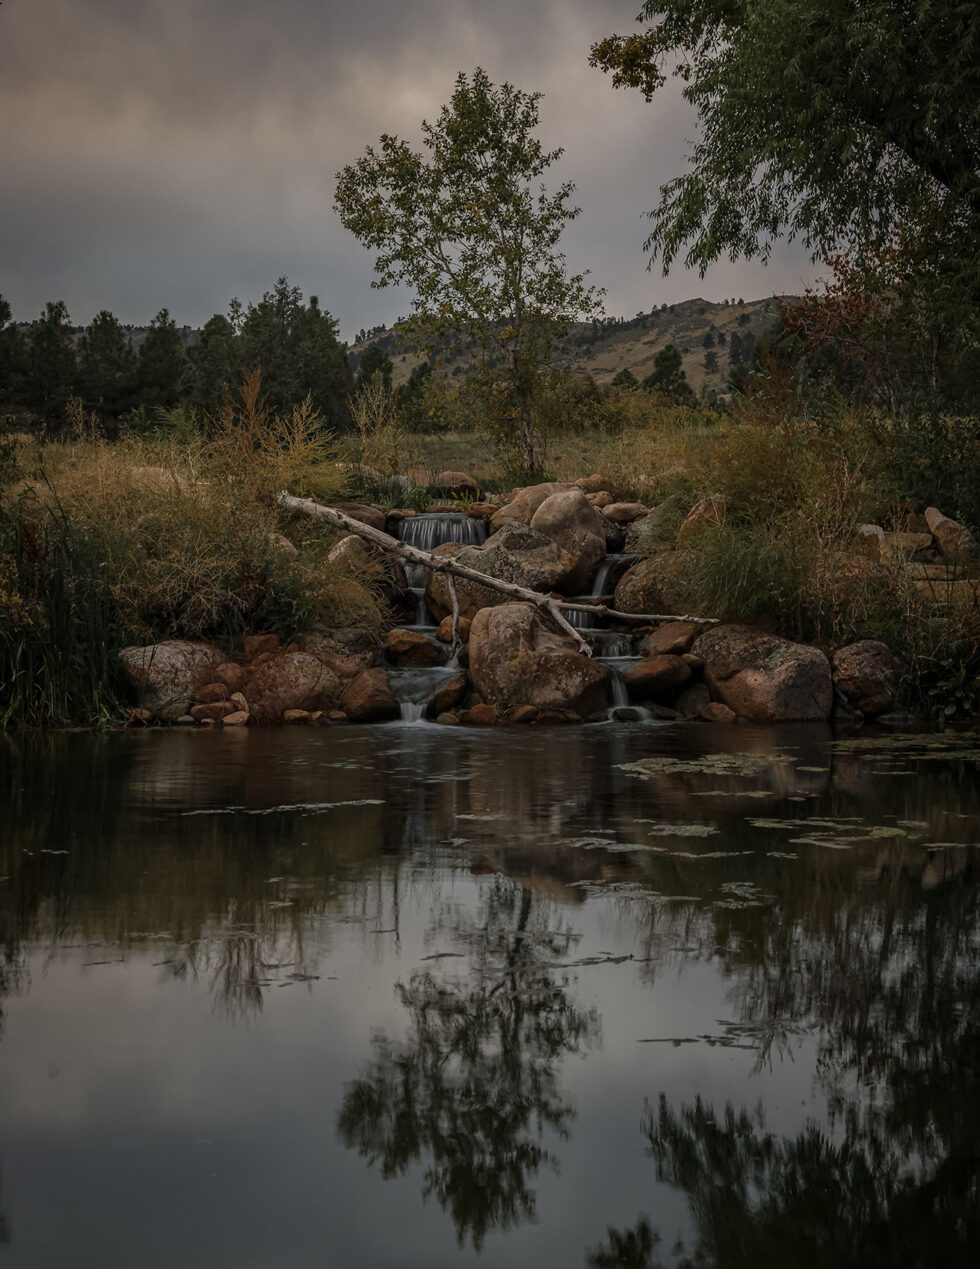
x,y
894,1178
474,1087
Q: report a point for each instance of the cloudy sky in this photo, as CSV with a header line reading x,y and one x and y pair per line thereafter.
x,y
178,152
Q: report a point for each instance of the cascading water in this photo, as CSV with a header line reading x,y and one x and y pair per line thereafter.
x,y
607,574
414,689
426,532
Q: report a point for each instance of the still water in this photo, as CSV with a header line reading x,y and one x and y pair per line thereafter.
x,y
412,996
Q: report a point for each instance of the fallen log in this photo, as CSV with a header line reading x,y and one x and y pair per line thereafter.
x,y
446,564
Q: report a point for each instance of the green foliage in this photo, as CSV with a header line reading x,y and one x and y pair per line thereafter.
x,y
374,361
13,355
933,460
215,365
828,121
472,230
669,378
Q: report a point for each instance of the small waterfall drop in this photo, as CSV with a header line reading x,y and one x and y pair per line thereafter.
x,y
414,689
426,532
607,574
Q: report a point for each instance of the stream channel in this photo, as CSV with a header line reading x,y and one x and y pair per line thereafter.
x,y
407,995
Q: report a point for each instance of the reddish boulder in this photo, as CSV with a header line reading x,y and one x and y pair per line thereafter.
x,y
764,678
368,698
293,680
659,678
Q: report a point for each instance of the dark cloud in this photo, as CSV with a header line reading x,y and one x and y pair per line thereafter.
x,y
183,152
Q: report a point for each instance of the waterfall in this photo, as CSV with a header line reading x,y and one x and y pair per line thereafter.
x,y
414,689
426,532
607,574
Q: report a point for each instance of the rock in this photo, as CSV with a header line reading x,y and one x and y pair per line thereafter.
x,y
445,630
625,512
346,650
568,519
239,718
337,716
356,556
516,660
703,515
296,715
166,675
875,544
591,484
293,680
601,500
696,663
257,644
238,700
409,649
660,678
524,504
210,693
449,695
455,482
672,637
480,510
185,720
693,701
368,697
523,714
214,711
652,586
480,716
764,678
716,712
869,541
448,719
283,544
653,532
952,538
868,675
233,676
615,537
515,554
373,517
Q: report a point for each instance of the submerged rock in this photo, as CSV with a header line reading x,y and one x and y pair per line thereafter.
x,y
516,660
764,678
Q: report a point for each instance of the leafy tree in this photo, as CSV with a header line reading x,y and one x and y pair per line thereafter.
x,y
825,119
215,365
472,230
161,363
51,365
668,376
12,354
374,361
105,365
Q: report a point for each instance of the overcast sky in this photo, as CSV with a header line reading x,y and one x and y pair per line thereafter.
x,y
174,153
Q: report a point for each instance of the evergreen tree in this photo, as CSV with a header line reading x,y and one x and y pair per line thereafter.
x,y
51,368
13,356
215,365
374,361
106,365
668,376
162,363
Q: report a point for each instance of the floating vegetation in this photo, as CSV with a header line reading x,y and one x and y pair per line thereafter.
x,y
716,764
815,770
739,793
658,829
304,808
961,746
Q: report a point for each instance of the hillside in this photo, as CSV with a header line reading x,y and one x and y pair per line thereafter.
x,y
711,337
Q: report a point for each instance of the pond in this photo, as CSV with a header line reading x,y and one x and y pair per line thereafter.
x,y
658,995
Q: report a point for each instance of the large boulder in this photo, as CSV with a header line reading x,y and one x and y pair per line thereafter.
x,y
660,678
516,554
345,650
290,680
166,675
868,675
625,512
373,517
521,508
368,698
952,538
516,660
409,649
569,519
763,678
672,637
706,514
652,586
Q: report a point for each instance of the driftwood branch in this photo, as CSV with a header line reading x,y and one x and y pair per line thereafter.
x,y
446,564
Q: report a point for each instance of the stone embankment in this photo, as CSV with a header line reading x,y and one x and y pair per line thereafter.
x,y
488,660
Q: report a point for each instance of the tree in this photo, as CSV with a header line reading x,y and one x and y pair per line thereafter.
x,y
625,379
472,230
668,376
374,361
829,120
297,350
161,363
12,355
51,361
215,365
105,365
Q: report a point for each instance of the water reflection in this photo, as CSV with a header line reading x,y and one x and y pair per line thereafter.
x,y
781,957
473,1089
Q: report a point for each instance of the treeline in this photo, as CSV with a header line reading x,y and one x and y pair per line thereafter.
x,y
294,343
